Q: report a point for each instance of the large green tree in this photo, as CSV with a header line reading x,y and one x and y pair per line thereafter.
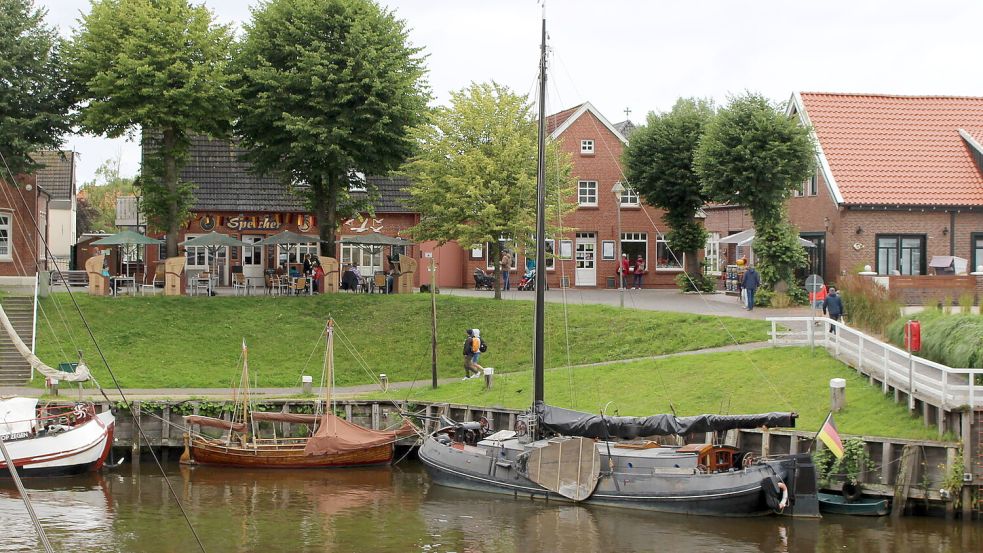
x,y
659,165
160,66
34,96
474,178
328,90
753,155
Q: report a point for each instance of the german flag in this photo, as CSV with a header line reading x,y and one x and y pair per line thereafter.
x,y
831,437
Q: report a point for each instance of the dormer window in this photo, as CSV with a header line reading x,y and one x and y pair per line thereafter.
x,y
586,147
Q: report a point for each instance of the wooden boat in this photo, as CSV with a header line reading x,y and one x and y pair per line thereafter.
x,y
865,506
561,454
334,442
54,440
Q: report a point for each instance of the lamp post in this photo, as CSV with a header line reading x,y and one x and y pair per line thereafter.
x,y
617,189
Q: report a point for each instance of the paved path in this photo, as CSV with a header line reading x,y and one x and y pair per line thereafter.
x,y
340,393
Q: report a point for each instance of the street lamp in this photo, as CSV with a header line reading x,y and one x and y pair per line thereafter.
x,y
617,189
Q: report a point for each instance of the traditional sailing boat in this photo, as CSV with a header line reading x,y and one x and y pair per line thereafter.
x,y
561,454
334,443
52,440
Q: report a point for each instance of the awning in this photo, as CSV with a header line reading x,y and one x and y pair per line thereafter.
x,y
125,238
746,237
213,239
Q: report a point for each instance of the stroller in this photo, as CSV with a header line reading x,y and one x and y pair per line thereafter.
x,y
528,281
483,280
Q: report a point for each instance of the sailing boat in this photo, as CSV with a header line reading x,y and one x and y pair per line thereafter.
x,y
52,440
335,442
562,454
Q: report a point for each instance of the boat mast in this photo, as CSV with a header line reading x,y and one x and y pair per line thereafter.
x,y
244,386
329,366
538,356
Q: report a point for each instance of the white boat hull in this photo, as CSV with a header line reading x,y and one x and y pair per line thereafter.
x,y
81,449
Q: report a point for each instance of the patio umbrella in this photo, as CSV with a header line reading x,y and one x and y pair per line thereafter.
x,y
287,238
126,238
213,241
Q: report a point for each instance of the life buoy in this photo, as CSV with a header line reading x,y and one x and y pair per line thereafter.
x,y
775,492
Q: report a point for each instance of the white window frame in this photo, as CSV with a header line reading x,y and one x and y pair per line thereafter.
x,y
252,253
629,198
712,253
8,227
813,185
587,147
193,253
634,238
368,263
587,193
661,242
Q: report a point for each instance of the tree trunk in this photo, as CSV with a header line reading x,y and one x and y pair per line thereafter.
x,y
326,210
168,158
692,264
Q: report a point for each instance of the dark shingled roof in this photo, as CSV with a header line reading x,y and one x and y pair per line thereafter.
x,y
625,128
224,183
57,174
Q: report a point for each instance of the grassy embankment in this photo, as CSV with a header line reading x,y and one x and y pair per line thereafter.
x,y
193,343
158,342
732,383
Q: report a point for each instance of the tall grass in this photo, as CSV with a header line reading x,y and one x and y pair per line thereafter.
x,y
868,306
955,340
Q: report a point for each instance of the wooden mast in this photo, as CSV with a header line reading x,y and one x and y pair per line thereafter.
x,y
329,367
538,356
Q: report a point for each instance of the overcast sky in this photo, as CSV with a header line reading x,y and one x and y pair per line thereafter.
x,y
642,55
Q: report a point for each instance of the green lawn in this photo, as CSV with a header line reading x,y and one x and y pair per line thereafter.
x,y
777,379
153,342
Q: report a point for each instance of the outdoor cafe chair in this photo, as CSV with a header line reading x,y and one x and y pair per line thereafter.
x,y
379,282
239,283
299,285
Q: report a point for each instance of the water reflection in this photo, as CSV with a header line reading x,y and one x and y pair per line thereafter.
x,y
396,510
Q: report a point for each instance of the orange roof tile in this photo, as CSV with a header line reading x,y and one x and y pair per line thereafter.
x,y
899,150
557,119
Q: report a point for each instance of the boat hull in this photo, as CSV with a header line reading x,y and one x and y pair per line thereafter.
x,y
291,456
733,494
81,449
837,504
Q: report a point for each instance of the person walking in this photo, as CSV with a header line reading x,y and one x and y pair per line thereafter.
x,y
833,307
472,351
750,284
506,264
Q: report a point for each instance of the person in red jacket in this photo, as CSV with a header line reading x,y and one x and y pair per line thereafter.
x,y
639,271
623,270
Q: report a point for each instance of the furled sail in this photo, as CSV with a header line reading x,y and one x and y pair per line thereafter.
x,y
212,422
81,373
336,435
587,425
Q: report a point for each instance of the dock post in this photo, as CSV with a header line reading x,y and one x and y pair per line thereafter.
x,y
837,394
375,416
135,432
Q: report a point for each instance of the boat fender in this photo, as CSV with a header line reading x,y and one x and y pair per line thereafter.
x,y
772,489
851,492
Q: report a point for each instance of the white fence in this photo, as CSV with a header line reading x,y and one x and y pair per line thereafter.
x,y
933,383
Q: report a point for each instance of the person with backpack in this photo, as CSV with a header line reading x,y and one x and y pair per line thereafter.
x,y
473,347
833,306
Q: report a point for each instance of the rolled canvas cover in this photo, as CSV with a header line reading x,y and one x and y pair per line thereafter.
x,y
574,423
336,435
17,415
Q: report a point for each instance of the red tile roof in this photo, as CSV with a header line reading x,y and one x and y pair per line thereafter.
x,y
557,119
899,150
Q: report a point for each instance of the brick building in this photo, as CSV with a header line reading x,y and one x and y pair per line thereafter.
x,y
22,206
899,180
587,256
57,177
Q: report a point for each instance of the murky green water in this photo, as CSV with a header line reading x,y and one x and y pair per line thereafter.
x,y
397,509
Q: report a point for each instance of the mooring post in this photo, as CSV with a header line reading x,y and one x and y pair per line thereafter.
x,y
489,373
837,394
135,432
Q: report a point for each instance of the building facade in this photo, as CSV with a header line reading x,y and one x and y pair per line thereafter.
x,y
23,229
899,180
57,177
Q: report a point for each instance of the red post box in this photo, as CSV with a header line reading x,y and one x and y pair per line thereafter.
x,y
913,335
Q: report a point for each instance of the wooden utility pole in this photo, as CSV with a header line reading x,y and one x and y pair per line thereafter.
x,y
433,320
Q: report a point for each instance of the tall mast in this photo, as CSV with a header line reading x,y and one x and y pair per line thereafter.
x,y
329,367
538,356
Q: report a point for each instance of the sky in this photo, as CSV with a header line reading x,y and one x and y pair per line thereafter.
x,y
642,55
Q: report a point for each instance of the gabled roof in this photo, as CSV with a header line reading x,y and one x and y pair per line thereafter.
x,y
559,122
224,182
897,150
57,174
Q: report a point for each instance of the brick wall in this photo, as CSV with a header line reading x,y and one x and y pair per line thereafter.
x,y
25,246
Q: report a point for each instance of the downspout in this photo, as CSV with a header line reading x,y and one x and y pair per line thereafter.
x,y
952,233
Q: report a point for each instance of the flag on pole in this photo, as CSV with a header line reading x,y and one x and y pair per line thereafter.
x,y
831,437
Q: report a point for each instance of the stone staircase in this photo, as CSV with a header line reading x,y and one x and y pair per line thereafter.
x,y
14,370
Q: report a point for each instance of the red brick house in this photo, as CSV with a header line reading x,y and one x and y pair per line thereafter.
x,y
899,180
588,255
21,248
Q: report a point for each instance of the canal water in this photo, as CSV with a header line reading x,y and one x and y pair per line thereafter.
x,y
396,509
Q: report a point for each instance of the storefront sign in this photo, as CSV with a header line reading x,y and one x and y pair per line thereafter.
x,y
257,222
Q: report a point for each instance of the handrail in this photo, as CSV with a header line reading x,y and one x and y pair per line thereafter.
x,y
933,383
34,317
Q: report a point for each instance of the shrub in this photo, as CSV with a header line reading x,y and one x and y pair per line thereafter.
x,y
780,300
966,302
955,340
696,283
763,297
868,306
